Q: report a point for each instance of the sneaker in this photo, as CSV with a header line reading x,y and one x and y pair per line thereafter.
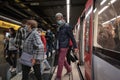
x,y
13,70
10,69
20,73
47,69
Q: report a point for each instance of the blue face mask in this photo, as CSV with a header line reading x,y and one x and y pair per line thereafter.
x,y
60,22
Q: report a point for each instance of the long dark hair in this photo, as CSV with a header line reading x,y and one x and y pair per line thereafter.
x,y
13,32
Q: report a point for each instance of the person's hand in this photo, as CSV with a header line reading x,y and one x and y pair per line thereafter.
x,y
33,61
6,56
75,50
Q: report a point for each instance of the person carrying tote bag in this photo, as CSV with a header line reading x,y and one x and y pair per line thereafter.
x,y
33,50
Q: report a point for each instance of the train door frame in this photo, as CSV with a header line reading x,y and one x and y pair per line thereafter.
x,y
81,52
88,40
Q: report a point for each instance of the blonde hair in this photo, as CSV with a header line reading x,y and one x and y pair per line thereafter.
x,y
33,23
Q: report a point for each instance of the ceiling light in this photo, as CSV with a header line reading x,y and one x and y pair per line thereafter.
x,y
113,1
88,13
68,10
95,10
111,20
10,19
34,4
103,9
103,2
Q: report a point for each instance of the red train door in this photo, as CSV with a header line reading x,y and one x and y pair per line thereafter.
x,y
88,40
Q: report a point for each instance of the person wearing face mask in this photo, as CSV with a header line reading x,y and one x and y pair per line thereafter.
x,y
32,46
49,38
64,34
20,36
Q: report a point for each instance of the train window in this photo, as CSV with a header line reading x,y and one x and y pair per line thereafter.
x,y
108,23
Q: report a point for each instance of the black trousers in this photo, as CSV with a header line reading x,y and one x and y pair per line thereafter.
x,y
26,70
20,52
49,49
12,58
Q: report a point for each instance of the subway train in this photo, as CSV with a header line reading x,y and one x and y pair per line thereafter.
x,y
97,35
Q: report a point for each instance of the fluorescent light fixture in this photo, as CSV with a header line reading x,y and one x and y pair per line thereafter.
x,y
103,9
10,19
95,10
103,2
90,10
34,4
111,20
68,10
113,1
68,2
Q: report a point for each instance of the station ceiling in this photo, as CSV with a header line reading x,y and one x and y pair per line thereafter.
x,y
43,10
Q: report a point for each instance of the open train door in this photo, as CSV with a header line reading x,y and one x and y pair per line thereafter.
x,y
88,40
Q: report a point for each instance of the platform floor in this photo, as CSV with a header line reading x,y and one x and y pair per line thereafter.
x,y
73,76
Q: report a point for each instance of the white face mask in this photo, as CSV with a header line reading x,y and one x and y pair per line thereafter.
x,y
48,30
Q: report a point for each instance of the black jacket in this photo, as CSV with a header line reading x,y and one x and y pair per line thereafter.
x,y
64,35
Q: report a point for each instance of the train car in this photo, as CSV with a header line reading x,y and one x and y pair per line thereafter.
x,y
100,39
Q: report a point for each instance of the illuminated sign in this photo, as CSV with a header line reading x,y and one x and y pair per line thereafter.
x,y
5,24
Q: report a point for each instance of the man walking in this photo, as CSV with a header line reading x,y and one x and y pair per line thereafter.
x,y
64,35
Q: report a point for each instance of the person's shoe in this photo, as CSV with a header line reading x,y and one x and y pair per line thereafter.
x,y
13,70
10,69
20,73
47,69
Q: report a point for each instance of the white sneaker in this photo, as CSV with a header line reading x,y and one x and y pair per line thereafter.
x,y
13,70
20,73
10,69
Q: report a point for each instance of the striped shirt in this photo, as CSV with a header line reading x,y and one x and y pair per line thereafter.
x,y
20,36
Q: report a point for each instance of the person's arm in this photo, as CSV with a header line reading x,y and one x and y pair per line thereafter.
x,y
37,43
38,46
70,33
17,39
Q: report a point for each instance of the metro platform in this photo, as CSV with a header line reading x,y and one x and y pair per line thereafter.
x,y
51,74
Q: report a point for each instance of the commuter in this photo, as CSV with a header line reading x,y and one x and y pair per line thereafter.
x,y
20,36
32,46
64,34
105,38
11,57
45,49
49,38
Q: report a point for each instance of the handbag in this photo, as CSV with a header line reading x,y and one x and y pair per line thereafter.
x,y
26,59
